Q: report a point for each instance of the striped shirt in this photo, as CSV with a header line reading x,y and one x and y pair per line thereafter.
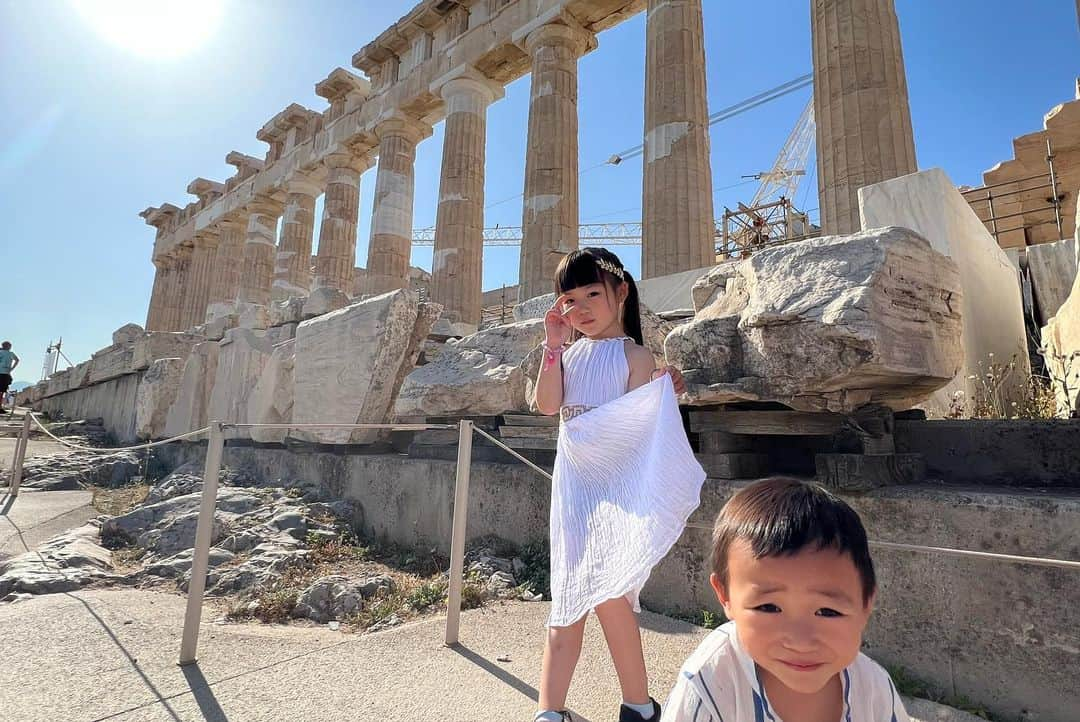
x,y
719,683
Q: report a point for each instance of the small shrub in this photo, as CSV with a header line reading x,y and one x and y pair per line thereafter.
x,y
537,575
426,595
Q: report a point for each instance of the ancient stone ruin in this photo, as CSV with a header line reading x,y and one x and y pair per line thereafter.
x,y
821,357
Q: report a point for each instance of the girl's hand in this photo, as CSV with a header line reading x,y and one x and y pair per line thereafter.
x,y
676,377
556,324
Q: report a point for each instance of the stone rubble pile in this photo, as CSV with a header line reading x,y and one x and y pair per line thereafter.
x,y
76,468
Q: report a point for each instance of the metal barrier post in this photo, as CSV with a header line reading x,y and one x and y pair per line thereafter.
x,y
457,539
20,455
201,554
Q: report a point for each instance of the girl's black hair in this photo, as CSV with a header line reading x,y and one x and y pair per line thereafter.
x,y
580,268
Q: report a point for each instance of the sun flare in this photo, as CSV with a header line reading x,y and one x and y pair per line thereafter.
x,y
153,29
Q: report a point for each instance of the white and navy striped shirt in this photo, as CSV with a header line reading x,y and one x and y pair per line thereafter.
x,y
720,683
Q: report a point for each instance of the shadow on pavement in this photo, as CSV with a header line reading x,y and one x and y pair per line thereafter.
x,y
502,675
204,696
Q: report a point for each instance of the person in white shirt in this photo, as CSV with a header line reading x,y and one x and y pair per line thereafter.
x,y
792,570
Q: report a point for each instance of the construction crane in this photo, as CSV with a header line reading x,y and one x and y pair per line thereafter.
x,y
769,218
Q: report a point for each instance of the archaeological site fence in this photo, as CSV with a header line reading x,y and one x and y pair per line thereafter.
x,y
216,437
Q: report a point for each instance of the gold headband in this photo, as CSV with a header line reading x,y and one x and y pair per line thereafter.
x,y
611,268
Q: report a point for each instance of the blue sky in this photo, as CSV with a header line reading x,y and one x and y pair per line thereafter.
x,y
91,133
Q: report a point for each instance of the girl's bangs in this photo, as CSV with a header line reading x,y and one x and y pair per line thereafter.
x,y
577,269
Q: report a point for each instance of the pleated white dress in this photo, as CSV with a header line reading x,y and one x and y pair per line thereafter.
x,y
625,481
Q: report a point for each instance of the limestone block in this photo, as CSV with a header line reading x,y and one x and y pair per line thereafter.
x,y
347,362
281,334
826,324
992,308
1052,268
189,411
1061,351
160,345
156,394
271,400
241,359
253,316
653,328
287,310
127,334
427,316
480,375
110,362
214,330
57,383
323,300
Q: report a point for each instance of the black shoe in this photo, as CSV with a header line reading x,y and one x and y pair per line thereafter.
x,y
628,715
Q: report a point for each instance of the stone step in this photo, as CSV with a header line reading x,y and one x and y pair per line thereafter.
x,y
863,472
767,423
530,420
528,432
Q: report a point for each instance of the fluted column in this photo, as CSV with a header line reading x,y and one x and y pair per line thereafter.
x,y
457,268
202,272
153,313
861,107
678,232
292,268
259,251
228,262
337,234
391,219
179,288
550,214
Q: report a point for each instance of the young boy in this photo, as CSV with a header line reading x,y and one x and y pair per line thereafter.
x,y
792,569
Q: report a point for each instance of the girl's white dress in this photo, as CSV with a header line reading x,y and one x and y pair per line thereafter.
x,y
625,481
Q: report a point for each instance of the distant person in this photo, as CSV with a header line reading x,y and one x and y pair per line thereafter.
x,y
791,567
8,362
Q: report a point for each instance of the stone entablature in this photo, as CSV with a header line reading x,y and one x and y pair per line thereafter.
x,y
400,81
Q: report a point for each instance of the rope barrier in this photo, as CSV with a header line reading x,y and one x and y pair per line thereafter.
x,y
392,427
105,450
1011,558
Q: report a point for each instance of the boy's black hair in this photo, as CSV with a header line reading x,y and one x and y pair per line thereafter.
x,y
580,268
782,516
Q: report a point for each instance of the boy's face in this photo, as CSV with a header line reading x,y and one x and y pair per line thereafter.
x,y
800,617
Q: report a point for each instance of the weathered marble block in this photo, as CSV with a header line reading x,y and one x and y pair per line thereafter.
x,y
271,400
243,354
189,411
160,345
828,323
127,334
484,374
111,362
1052,267
155,395
347,364
991,309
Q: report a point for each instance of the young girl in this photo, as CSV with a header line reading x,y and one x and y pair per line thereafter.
x,y
625,478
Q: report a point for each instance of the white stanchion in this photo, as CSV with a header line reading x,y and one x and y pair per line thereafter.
x,y
20,456
457,539
200,560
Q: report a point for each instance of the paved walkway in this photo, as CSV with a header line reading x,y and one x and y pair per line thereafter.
x,y
111,655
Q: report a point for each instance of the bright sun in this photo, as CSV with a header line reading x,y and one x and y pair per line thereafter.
x,y
153,29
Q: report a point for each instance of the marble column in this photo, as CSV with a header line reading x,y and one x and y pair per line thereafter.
x,y
550,214
391,220
180,288
459,223
203,255
864,133
678,230
259,250
228,262
337,234
153,313
292,268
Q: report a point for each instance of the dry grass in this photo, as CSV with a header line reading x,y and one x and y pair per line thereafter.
x,y
115,502
419,586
